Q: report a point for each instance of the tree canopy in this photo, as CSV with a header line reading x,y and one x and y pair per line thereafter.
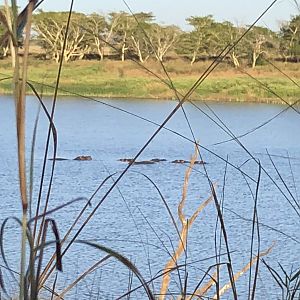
x,y
121,35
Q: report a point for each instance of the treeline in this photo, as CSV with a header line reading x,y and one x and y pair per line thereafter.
x,y
120,35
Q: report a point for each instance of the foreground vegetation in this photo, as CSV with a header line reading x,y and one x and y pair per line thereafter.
x,y
127,80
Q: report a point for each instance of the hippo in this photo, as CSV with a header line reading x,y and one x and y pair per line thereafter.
x,y
83,157
182,161
158,159
144,162
179,161
125,159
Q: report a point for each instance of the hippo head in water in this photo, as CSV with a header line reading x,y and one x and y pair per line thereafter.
x,y
83,157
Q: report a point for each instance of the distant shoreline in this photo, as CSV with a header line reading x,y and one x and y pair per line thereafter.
x,y
101,97
115,80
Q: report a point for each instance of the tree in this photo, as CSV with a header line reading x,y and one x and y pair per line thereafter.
x,y
290,39
138,34
195,44
97,33
162,39
261,42
51,29
140,43
227,35
122,30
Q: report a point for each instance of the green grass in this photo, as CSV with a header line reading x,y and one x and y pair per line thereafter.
x,y
126,80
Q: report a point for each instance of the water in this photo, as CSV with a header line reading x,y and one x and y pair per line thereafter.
x,y
133,219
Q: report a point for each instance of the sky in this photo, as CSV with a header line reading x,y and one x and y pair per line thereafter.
x,y
241,12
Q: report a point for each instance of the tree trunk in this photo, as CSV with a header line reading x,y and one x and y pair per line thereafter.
x,y
123,47
5,51
193,58
56,57
140,56
100,50
101,53
160,55
235,60
254,59
136,44
123,52
67,56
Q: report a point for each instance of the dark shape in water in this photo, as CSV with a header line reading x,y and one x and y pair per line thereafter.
x,y
144,162
125,159
182,161
58,158
158,159
179,161
151,161
83,157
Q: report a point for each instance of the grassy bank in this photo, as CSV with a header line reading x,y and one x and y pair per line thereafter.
x,y
128,80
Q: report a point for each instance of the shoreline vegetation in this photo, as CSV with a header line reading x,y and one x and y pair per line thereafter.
x,y
115,79
106,56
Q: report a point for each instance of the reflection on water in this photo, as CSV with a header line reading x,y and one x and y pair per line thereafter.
x,y
133,219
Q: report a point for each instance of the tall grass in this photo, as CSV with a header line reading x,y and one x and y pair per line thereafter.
x,y
35,272
20,73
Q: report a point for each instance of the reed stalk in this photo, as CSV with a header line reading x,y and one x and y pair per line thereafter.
x,y
19,87
20,122
186,225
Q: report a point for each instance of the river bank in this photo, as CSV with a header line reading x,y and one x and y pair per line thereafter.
x,y
112,79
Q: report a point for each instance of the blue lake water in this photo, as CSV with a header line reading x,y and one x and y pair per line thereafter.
x,y
133,218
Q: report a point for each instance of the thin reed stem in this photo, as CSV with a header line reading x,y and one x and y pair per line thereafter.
x,y
20,104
